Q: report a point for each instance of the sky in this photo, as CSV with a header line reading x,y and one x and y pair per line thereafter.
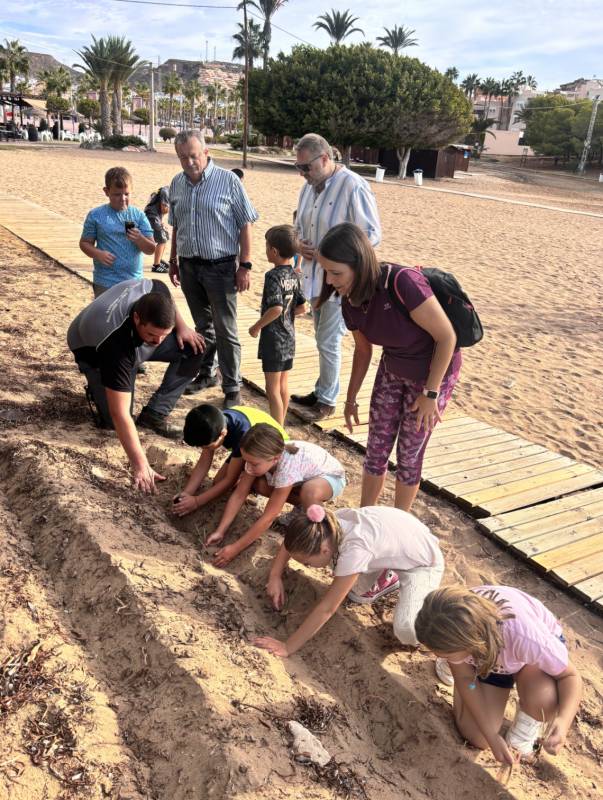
x,y
556,41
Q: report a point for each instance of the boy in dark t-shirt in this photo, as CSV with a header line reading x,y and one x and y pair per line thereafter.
x,y
282,301
210,428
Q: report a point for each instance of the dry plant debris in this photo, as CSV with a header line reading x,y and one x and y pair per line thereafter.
x,y
313,715
343,780
21,678
50,741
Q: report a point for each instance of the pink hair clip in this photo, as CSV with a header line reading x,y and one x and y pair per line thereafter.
x,y
315,513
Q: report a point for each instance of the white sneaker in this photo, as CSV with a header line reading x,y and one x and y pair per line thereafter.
x,y
524,733
443,672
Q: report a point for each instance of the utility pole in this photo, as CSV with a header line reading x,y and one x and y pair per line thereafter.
x,y
246,87
152,110
589,135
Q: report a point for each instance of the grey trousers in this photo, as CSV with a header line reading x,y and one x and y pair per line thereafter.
x,y
211,295
183,366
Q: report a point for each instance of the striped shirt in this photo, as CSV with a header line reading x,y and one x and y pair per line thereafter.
x,y
209,214
346,198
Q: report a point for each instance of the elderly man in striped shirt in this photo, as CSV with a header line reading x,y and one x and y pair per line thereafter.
x,y
211,247
332,194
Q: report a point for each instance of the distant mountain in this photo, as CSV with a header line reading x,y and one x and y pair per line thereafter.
x,y
208,73
41,61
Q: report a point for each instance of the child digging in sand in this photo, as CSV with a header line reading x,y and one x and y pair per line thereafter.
x,y
300,473
493,637
359,543
282,301
210,428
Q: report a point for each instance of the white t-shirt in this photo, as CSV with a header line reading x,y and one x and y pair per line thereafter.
x,y
381,537
310,461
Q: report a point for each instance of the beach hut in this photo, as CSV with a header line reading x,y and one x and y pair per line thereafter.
x,y
436,164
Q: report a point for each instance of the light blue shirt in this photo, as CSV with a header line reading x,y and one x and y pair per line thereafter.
x,y
209,214
106,228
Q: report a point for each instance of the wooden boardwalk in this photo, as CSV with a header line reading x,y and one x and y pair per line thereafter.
x,y
542,506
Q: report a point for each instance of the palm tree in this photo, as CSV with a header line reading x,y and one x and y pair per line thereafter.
x,y
171,85
124,61
470,84
397,39
56,81
339,25
452,73
193,92
255,40
489,87
267,9
97,59
14,61
531,82
479,127
142,90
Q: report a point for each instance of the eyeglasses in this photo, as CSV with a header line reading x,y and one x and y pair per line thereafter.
x,y
307,166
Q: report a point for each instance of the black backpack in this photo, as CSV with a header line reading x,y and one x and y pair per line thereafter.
x,y
458,307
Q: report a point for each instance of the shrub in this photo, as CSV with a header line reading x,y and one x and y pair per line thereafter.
x,y
167,134
118,142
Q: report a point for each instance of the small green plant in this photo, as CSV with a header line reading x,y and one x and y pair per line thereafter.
x,y
118,142
167,134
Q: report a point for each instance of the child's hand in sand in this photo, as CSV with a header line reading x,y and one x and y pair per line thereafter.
x,y
184,503
556,738
276,592
502,752
214,538
224,555
272,645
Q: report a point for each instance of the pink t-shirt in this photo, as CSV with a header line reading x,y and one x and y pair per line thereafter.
x,y
310,461
381,537
532,637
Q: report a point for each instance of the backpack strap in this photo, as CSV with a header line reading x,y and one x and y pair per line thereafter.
x,y
392,272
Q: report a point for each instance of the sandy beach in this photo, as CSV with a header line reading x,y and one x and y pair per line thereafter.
x,y
125,599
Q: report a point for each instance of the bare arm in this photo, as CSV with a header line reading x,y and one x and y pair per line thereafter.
x,y
232,508
320,614
141,241
363,352
200,471
174,271
569,689
88,247
274,587
269,316
233,471
245,242
186,335
119,408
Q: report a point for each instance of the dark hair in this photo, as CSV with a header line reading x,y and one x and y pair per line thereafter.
x,y
160,196
119,177
238,172
347,244
156,308
284,239
203,425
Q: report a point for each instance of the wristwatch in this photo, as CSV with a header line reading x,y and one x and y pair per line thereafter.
x,y
431,394
246,264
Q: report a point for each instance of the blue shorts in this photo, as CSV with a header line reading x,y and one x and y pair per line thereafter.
x,y
336,482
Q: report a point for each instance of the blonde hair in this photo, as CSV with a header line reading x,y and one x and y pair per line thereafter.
x,y
455,618
306,537
265,441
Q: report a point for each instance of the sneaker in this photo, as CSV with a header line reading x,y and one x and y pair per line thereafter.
x,y
443,672
161,267
200,383
524,733
304,399
387,582
322,411
158,423
232,399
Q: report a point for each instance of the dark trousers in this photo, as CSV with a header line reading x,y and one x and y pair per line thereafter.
x,y
183,366
211,295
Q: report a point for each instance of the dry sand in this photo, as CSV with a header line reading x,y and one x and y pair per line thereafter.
x,y
157,640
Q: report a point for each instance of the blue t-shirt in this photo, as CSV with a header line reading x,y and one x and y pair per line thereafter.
x,y
107,229
237,426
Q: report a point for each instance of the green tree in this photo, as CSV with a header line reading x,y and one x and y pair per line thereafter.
x,y
339,25
471,84
193,92
551,125
98,65
172,85
480,128
452,73
490,87
124,62
267,9
14,61
56,81
397,39
254,39
143,91
89,108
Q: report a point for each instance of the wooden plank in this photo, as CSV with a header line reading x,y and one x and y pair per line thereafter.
x,y
525,485
571,552
543,543
591,589
550,524
444,434
580,570
481,447
541,512
519,473
547,492
497,462
510,445
469,438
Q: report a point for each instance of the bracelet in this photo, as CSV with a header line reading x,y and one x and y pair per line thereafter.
x,y
174,260
351,403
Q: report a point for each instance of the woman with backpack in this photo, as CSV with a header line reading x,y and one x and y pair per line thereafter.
x,y
395,308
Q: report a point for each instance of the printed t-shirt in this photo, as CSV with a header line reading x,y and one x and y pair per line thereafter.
x,y
239,419
281,288
103,334
379,537
532,637
106,227
407,348
310,461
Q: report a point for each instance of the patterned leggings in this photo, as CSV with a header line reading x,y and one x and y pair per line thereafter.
x,y
390,417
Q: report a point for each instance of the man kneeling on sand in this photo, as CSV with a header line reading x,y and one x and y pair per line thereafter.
x,y
132,322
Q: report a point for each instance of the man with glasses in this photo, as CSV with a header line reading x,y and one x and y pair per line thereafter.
x,y
332,194
211,248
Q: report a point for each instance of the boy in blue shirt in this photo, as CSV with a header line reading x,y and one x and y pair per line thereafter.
x,y
116,235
